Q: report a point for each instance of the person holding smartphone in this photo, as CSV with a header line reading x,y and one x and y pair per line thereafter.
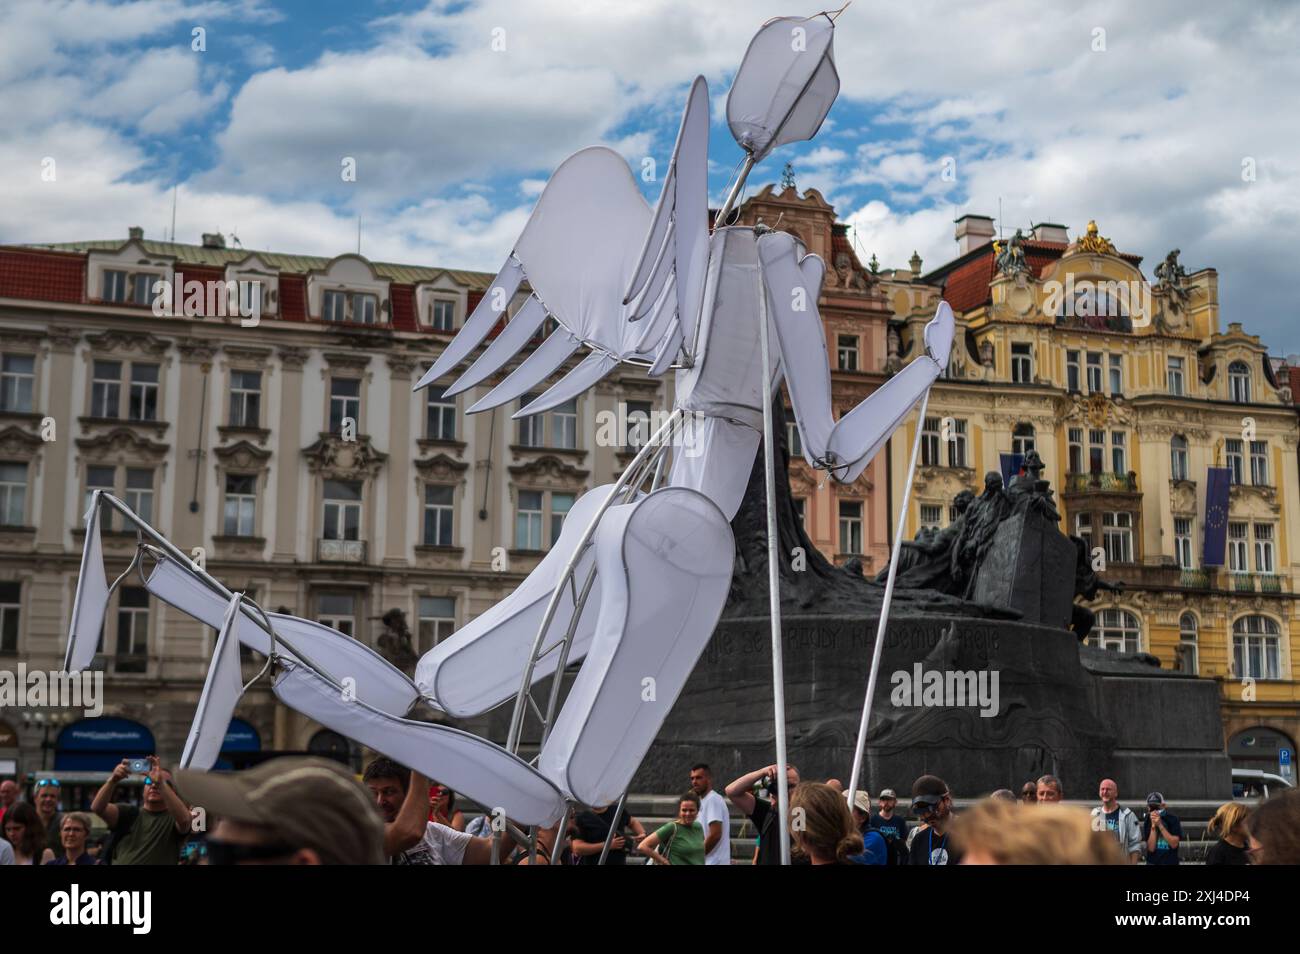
x,y
1162,832
153,833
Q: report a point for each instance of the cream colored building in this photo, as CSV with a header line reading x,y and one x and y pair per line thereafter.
x,y
235,439
1129,389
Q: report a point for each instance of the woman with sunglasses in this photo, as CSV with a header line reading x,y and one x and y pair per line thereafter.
x,y
73,834
24,831
442,807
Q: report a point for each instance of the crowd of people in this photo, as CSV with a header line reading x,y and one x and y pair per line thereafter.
x,y
302,810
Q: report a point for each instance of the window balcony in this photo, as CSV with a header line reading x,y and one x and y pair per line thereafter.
x,y
1270,583
1194,579
1101,482
341,551
1242,583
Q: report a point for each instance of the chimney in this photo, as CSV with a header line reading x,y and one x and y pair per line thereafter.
x,y
135,232
973,231
1051,232
214,240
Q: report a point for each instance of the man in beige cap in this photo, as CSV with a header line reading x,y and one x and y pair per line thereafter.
x,y
287,811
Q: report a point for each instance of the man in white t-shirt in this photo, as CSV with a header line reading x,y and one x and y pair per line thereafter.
x,y
402,797
714,817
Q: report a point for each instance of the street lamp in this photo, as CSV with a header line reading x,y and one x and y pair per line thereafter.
x,y
46,721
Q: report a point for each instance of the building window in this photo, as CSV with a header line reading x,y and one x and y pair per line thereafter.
x,y
13,494
1187,641
365,308
1259,463
532,429
1174,377
1256,648
437,621
334,306
528,521
345,402
106,389
1118,452
444,314
1116,374
1263,548
132,629
564,424
440,416
1022,439
1232,449
114,286
1239,382
636,429
1237,558
101,478
1178,457
342,517
957,446
338,611
1075,439
241,505
10,614
1117,630
1022,363
1118,532
1083,528
139,492
1072,371
17,380
142,404
1183,542
847,351
931,516
142,288
561,504
930,442
1094,372
1096,451
850,526
359,307
245,398
438,514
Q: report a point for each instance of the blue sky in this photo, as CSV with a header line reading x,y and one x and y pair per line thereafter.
x,y
1139,118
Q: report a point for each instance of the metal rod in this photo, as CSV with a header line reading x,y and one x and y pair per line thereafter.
x,y
560,834
558,678
525,683
609,835
774,580
720,219
884,608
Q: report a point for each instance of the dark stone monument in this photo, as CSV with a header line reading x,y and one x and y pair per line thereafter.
x,y
987,639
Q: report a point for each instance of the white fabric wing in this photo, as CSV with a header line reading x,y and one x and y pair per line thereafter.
x,y
785,85
90,602
490,309
472,766
221,692
665,563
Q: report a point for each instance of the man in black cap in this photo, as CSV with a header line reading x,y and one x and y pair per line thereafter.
x,y
1161,832
287,811
932,803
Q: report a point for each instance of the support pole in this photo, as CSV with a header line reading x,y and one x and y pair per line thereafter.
x,y
774,584
884,608
609,835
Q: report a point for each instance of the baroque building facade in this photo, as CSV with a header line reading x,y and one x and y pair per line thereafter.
x,y
1129,389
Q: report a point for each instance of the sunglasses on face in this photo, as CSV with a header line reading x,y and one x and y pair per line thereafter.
x,y
924,806
51,782
227,853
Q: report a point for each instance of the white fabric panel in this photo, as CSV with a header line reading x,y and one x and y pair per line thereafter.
x,y
532,371
514,336
660,276
669,347
691,208
939,334
656,238
583,241
666,565
221,691
728,379
91,600
715,457
783,88
482,663
860,433
337,655
474,767
802,336
479,324
590,370
648,327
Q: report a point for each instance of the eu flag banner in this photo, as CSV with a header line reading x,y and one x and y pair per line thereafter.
x,y
1217,482
1011,464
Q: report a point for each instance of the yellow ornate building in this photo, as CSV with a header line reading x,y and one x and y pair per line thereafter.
x,y
1129,390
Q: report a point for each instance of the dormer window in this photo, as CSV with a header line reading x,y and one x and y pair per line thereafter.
x,y
338,305
443,314
142,288
114,286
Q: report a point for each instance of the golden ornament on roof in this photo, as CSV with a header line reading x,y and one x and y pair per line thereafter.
x,y
1094,241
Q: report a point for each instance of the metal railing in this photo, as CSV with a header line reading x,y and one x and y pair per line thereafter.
x,y
1242,582
1102,481
341,551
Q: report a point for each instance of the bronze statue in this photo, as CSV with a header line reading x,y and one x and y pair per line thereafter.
x,y
395,643
925,563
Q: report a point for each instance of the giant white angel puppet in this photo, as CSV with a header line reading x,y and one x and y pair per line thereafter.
x,y
636,582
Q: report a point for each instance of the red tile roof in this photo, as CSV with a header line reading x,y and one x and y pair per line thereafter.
x,y
402,301
293,297
42,276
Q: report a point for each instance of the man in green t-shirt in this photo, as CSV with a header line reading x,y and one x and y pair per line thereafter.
x,y
153,833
